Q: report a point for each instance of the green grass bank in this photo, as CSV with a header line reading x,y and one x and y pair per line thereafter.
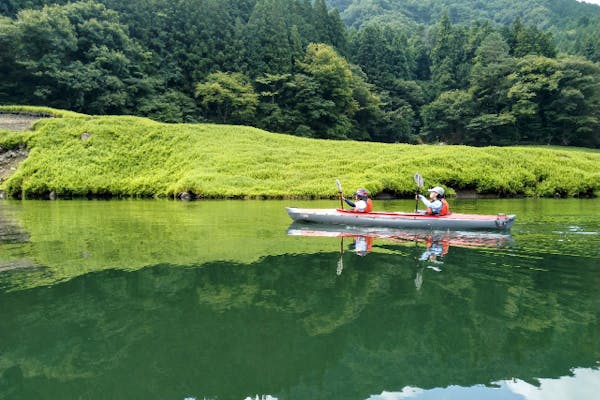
x,y
75,155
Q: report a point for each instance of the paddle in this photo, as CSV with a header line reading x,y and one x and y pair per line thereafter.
x,y
419,181
339,186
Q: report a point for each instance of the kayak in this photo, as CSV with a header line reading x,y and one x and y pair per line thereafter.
x,y
452,221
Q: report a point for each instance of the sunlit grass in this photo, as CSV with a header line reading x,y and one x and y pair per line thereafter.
x,y
77,155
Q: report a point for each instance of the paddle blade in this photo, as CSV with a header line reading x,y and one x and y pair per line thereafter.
x,y
339,185
418,180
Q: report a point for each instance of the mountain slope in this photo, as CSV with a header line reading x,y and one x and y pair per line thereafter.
x,y
567,20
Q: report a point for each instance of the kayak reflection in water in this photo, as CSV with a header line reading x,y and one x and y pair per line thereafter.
x,y
432,257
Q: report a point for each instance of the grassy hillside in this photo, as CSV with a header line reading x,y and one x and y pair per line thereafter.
x,y
76,155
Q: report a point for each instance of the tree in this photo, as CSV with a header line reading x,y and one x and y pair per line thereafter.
x,y
328,26
368,119
383,53
12,82
79,57
324,92
228,98
488,78
170,106
557,101
448,61
525,40
489,87
272,90
267,39
490,129
446,118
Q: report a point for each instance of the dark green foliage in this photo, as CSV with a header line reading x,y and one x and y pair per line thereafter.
x,y
77,57
525,40
227,98
448,58
446,118
268,42
383,52
557,101
388,78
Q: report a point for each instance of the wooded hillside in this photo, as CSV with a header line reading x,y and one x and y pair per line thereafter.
x,y
459,72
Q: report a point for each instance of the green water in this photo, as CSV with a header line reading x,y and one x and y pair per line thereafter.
x,y
213,300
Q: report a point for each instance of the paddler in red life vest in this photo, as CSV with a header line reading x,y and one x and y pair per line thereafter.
x,y
437,205
362,202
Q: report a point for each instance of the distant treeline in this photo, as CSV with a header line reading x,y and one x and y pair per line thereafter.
x,y
294,66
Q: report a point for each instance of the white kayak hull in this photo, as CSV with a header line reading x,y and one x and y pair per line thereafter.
x,y
453,221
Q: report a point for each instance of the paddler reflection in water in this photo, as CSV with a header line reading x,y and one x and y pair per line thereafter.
x,y
361,246
432,257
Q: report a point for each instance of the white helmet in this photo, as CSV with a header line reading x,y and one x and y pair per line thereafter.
x,y
438,190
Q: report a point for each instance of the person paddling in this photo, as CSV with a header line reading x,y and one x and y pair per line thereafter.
x,y
437,205
362,202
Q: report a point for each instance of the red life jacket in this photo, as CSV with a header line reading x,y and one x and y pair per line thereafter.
x,y
444,211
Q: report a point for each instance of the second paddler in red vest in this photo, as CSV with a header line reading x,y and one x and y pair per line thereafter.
x,y
437,204
362,202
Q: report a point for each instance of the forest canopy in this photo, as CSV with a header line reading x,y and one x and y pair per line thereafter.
x,y
433,71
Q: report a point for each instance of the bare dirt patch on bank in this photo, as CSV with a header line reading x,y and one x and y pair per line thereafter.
x,y
18,122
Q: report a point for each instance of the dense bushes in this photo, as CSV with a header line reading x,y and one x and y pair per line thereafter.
x,y
131,156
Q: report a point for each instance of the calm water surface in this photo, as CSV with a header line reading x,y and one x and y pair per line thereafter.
x,y
215,300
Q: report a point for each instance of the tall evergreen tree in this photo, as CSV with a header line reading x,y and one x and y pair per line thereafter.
x,y
383,53
524,40
268,38
448,56
489,86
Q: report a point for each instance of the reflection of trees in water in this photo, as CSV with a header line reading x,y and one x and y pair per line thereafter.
x,y
10,232
287,324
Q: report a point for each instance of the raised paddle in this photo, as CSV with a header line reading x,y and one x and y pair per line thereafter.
x,y
339,186
419,181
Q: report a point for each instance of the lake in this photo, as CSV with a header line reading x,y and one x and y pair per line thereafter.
x,y
158,299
